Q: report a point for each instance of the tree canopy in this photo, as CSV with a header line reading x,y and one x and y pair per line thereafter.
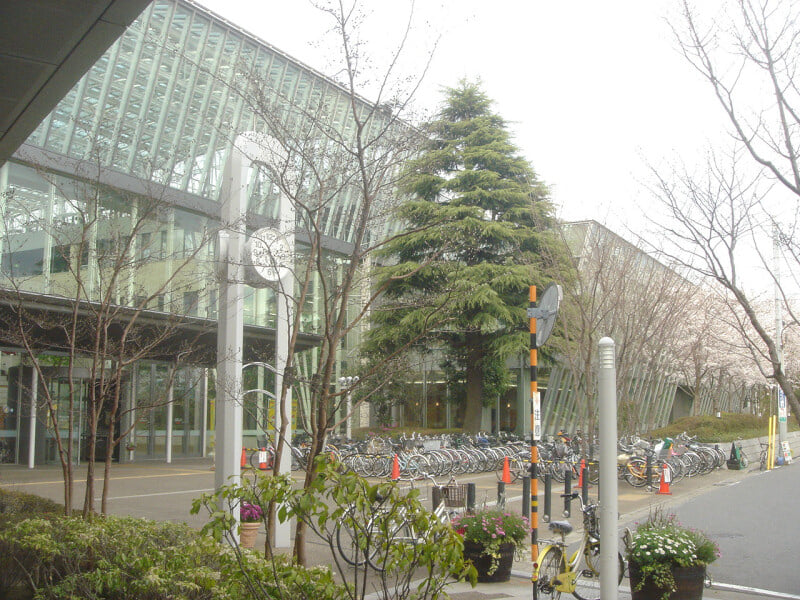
x,y
477,236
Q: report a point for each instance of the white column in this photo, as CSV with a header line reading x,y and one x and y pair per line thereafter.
x,y
204,419
285,301
607,405
34,402
227,457
169,416
131,415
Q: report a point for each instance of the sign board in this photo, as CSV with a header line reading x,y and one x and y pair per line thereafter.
x,y
781,406
787,453
537,416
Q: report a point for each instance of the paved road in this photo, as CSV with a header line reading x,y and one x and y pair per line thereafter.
x,y
754,521
748,513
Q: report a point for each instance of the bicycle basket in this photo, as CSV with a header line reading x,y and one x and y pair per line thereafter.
x,y
454,495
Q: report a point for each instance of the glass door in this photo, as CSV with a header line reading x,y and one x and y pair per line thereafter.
x,y
60,391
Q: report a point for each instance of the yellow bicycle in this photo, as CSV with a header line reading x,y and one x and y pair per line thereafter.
x,y
556,574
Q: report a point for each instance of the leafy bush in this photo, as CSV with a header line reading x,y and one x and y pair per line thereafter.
x,y
343,507
708,428
128,558
14,503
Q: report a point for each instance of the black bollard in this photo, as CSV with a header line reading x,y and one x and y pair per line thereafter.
x,y
471,497
548,488
585,486
567,491
526,493
436,496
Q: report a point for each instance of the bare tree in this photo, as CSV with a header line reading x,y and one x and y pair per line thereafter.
x,y
617,290
339,165
724,214
714,222
117,286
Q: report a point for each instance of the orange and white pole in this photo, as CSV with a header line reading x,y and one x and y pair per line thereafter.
x,y
536,434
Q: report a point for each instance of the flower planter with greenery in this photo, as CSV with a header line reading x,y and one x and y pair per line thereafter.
x,y
250,517
668,561
491,537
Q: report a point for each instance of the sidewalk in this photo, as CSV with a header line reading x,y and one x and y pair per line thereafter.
x,y
520,586
634,505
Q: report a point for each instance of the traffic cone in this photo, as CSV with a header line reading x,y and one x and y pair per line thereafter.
x,y
580,473
395,469
506,472
262,459
244,458
665,479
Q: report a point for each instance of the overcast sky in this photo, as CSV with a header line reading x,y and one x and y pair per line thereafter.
x,y
592,90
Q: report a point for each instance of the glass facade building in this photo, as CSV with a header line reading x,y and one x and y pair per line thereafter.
x,y
115,197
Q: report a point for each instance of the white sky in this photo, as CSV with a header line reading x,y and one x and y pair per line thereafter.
x,y
592,90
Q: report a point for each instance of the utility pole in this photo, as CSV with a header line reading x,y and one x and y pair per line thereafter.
x,y
782,413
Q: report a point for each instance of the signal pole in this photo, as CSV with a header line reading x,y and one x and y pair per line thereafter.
x,y
536,435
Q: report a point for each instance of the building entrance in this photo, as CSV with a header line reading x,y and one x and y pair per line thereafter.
x,y
80,391
71,402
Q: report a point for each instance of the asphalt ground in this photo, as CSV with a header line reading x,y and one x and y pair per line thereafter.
x,y
160,491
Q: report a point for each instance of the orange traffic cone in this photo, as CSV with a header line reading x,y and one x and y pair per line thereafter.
x,y
580,473
506,472
665,479
244,457
262,459
395,469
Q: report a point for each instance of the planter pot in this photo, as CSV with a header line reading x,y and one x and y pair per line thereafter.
x,y
248,533
483,562
689,583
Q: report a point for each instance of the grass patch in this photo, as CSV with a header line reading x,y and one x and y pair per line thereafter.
x,y
729,427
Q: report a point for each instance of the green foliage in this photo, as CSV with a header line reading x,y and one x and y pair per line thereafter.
x,y
729,427
15,505
336,501
128,558
476,238
660,543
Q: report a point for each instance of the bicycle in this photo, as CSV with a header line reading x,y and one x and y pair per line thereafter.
x,y
554,573
367,544
762,456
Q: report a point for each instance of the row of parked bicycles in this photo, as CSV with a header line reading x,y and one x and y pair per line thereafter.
x,y
640,462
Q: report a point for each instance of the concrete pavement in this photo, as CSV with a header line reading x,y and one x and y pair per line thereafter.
x,y
160,491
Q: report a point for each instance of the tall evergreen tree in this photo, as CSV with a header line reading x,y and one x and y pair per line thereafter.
x,y
477,226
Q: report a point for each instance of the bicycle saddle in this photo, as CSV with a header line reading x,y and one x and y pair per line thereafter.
x,y
561,527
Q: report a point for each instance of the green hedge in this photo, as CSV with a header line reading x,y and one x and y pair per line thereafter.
x,y
15,503
137,559
729,427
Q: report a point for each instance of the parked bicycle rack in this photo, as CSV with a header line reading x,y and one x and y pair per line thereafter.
x,y
547,506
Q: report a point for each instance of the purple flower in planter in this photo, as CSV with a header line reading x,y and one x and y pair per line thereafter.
x,y
250,513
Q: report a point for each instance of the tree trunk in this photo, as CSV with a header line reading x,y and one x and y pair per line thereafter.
x,y
474,377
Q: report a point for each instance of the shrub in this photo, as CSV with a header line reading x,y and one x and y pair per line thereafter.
x,y
14,503
129,558
341,505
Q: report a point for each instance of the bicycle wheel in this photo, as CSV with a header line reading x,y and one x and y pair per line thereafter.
x,y
550,565
387,537
587,581
347,543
